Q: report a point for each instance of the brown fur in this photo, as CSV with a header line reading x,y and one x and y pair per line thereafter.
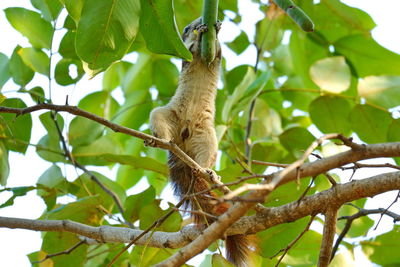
x,y
188,121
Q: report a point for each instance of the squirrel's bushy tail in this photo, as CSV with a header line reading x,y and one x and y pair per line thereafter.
x,y
238,247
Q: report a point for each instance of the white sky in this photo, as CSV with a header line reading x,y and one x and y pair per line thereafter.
x,y
25,169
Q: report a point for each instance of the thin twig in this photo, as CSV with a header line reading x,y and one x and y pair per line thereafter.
x,y
65,252
360,213
291,244
391,204
272,164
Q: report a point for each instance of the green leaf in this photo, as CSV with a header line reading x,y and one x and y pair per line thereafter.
x,y
152,212
114,75
237,94
330,114
370,124
331,74
92,188
381,90
269,30
148,256
51,178
4,166
305,251
36,59
16,191
83,210
367,56
55,242
20,72
31,25
240,43
138,162
74,8
296,140
49,148
383,249
394,131
158,27
62,71
335,19
91,154
50,8
83,131
67,45
4,71
105,32
139,76
37,94
135,203
17,129
278,237
360,226
219,261
165,77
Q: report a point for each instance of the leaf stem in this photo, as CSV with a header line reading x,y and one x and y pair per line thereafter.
x,y
209,18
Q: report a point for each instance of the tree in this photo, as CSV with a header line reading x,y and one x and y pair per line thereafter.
x,y
336,79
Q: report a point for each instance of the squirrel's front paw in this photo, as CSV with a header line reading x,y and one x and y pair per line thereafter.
x,y
214,177
150,142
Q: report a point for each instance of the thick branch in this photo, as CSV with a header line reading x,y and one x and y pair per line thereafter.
x,y
309,205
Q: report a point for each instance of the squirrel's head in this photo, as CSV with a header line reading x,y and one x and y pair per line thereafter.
x,y
191,36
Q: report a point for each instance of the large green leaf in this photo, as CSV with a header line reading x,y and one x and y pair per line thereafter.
x,y
36,59
305,252
394,131
384,249
135,203
370,124
105,32
331,74
20,72
139,76
383,91
296,140
165,77
367,56
31,25
114,75
92,188
334,19
330,114
91,154
240,43
74,8
278,237
158,27
54,242
50,8
4,165
62,72
4,71
17,130
83,131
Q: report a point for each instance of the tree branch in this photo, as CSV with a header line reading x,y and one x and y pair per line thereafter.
x,y
328,236
160,143
265,219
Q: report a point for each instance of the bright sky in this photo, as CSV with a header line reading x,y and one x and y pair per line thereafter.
x,y
25,169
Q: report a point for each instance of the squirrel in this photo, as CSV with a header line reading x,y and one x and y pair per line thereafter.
x,y
188,121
